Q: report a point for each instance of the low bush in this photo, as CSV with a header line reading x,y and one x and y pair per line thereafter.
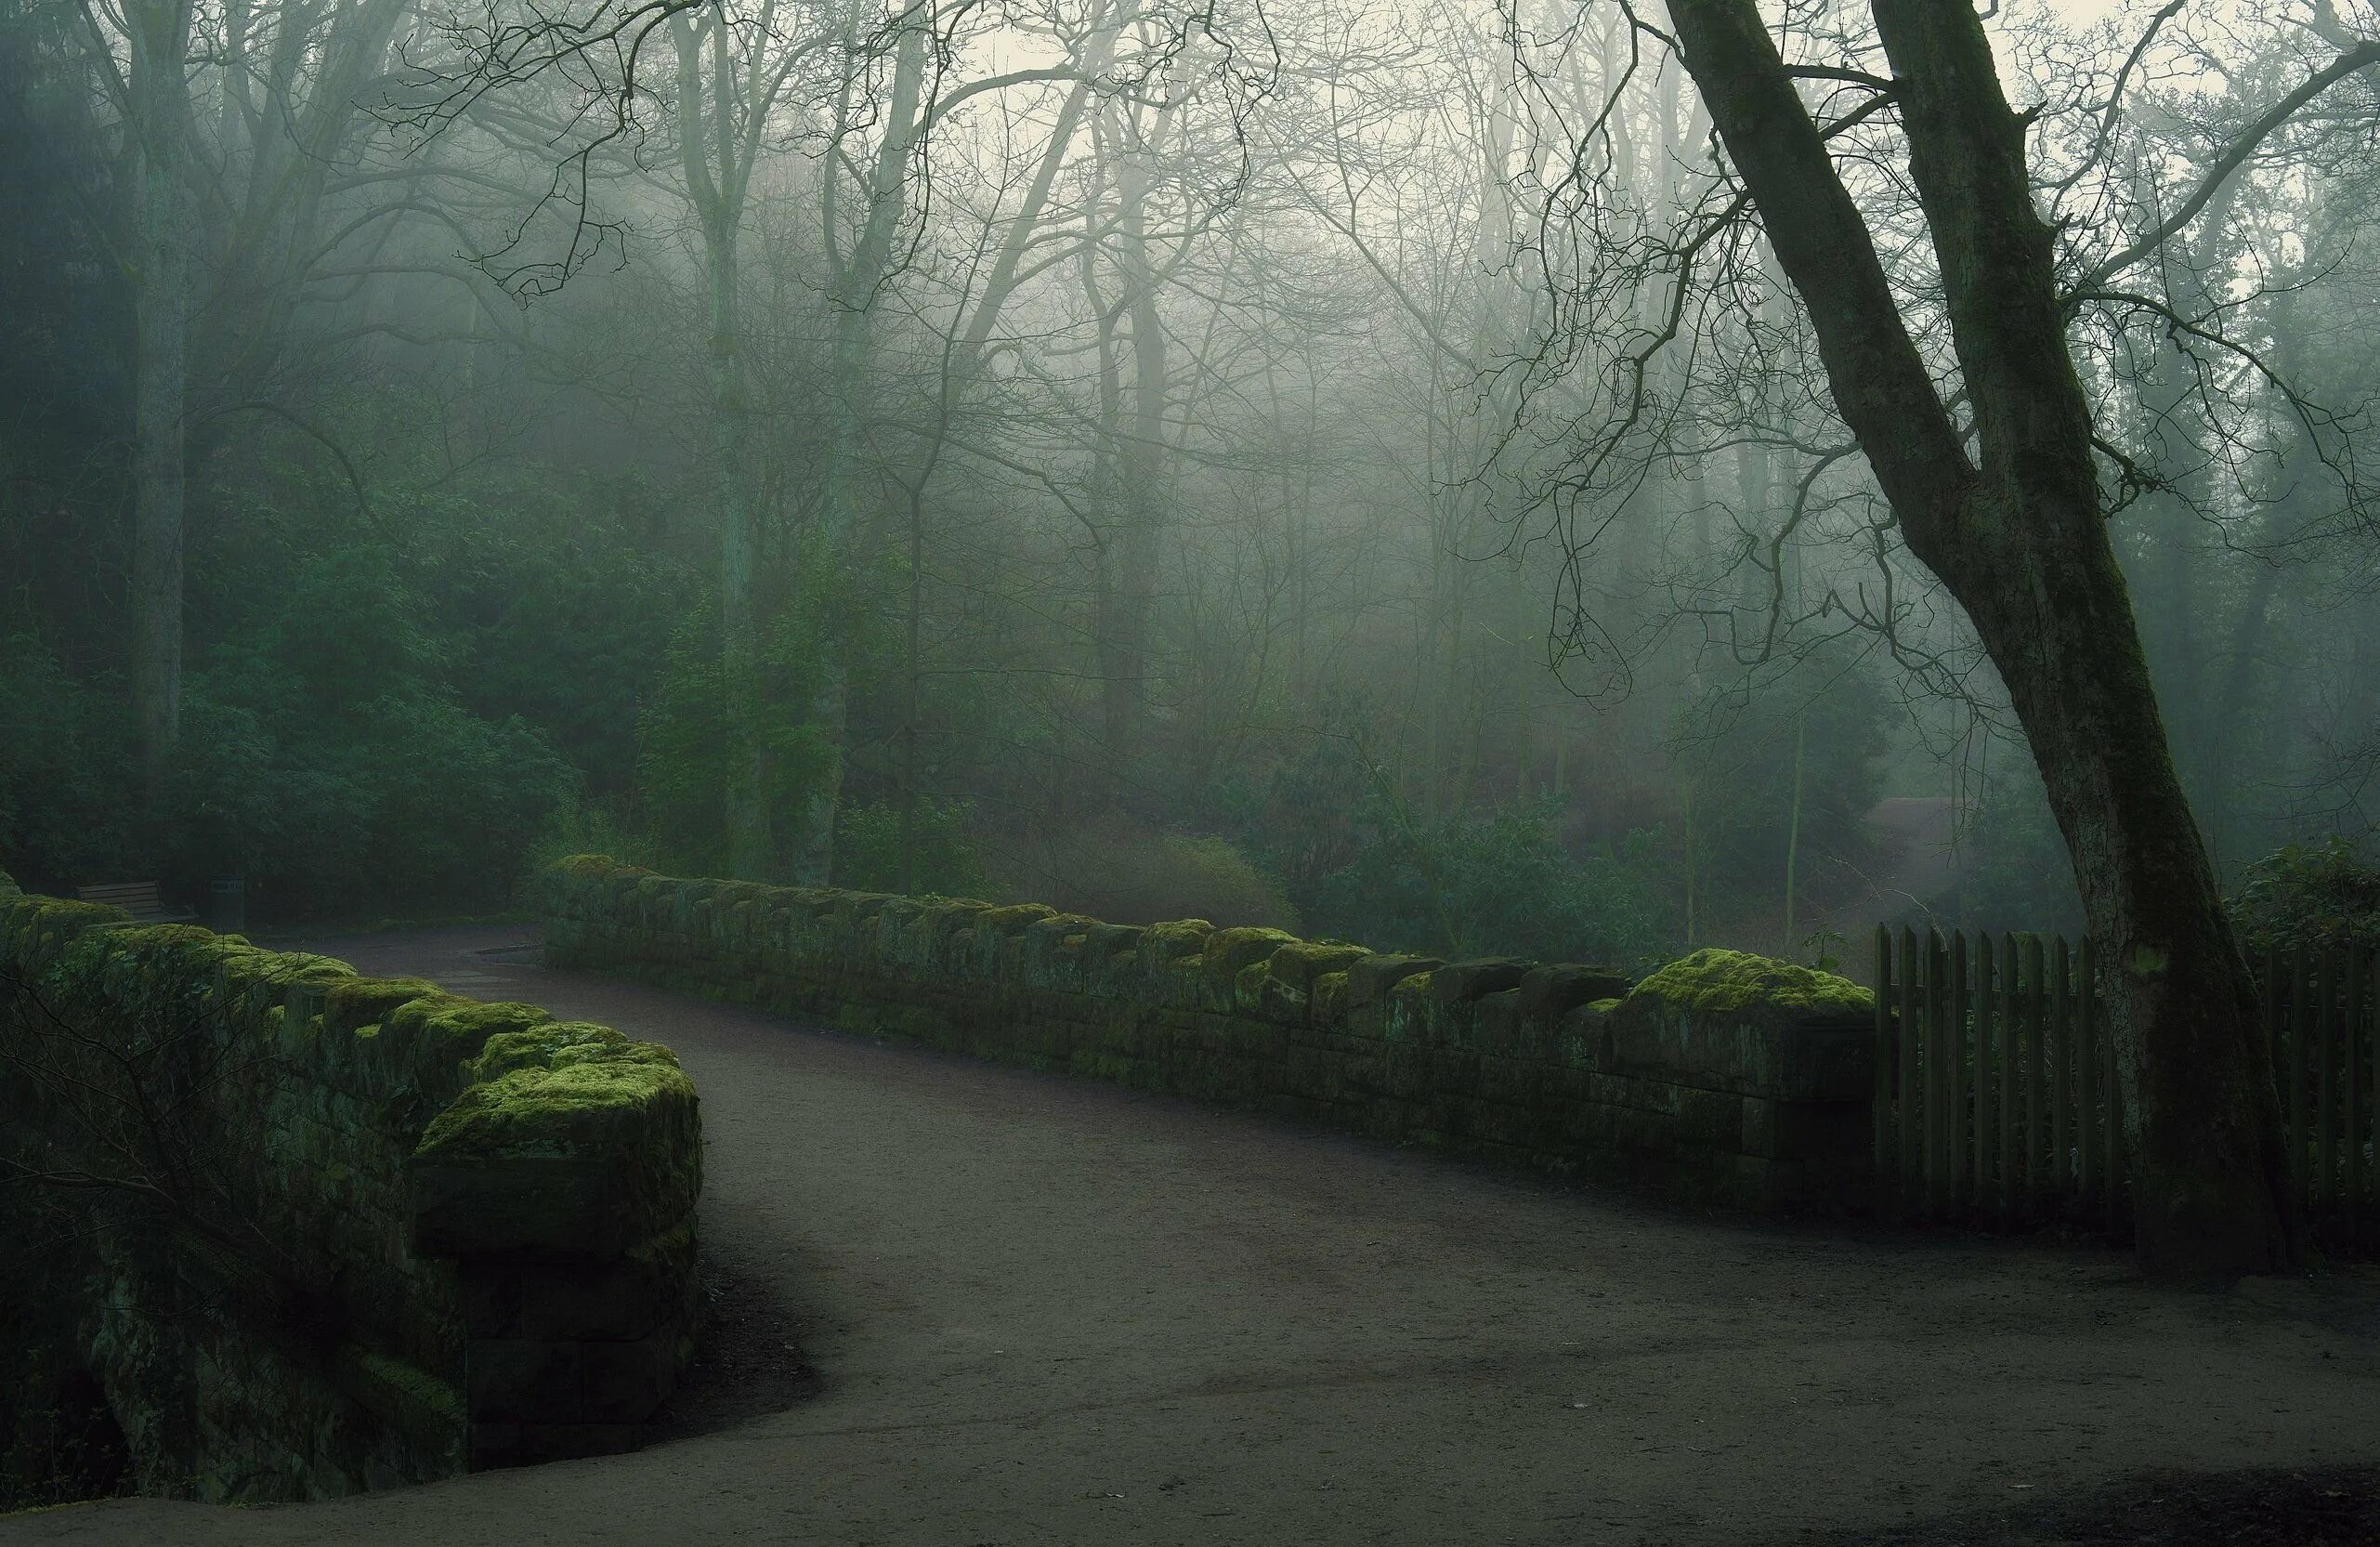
x,y
1133,875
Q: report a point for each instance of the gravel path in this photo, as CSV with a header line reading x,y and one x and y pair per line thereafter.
x,y
1044,1311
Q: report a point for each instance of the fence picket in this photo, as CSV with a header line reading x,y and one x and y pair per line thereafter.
x,y
1880,1109
2035,1049
2326,1154
2061,1053
1912,1127
2006,1080
2087,1084
2301,1171
2000,1087
1982,1113
1954,1076
2352,1181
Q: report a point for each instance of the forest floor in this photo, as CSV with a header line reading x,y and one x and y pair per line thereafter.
x,y
959,1305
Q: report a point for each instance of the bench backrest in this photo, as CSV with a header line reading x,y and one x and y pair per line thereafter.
x,y
136,898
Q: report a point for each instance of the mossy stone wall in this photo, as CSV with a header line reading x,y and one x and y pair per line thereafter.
x,y
432,1234
1723,1078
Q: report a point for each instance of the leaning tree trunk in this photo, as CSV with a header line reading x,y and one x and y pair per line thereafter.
x,y
2020,541
159,34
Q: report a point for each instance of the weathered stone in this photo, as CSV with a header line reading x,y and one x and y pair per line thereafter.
x,y
1369,978
525,1380
1557,988
1687,1076
1299,963
627,1382
1458,982
323,1086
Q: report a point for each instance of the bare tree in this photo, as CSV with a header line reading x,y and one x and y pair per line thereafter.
x,y
1994,485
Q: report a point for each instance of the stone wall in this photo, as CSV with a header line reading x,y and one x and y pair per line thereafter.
x,y
333,1232
1723,1077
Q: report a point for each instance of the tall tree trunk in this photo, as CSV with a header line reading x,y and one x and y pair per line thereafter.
x,y
1137,493
2020,542
850,485
159,36
751,850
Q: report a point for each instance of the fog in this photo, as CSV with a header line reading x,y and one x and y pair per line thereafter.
x,y
1355,467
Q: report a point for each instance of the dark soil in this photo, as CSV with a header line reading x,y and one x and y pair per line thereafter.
x,y
2277,1507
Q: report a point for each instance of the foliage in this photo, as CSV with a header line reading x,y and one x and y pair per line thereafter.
x,y
1808,742
578,825
2014,871
1301,816
1131,875
65,770
2315,896
946,858
1501,883
328,751
701,728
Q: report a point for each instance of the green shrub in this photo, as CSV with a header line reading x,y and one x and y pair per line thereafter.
x,y
946,858
2317,895
1499,885
1133,875
700,732
67,774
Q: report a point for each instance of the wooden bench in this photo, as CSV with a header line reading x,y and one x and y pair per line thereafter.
x,y
138,898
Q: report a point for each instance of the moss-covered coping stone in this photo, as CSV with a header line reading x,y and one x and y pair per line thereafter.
x,y
487,1214
1721,1077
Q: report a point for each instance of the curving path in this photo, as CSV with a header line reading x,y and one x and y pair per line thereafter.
x,y
1056,1312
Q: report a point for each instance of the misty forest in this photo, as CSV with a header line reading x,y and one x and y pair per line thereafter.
x,y
1587,481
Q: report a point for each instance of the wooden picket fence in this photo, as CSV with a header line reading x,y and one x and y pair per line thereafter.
x,y
1996,1095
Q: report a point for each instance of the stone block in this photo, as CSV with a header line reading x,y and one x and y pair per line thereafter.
x,y
525,1380
1806,1130
1302,964
1786,1055
1555,988
582,1161
1460,982
625,1297
1227,950
626,1382
1369,978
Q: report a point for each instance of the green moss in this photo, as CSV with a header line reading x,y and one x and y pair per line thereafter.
x,y
1720,982
409,1382
1015,915
558,1111
1605,1005
556,1158
1171,941
355,1001
1299,962
465,1023
550,1045
1231,949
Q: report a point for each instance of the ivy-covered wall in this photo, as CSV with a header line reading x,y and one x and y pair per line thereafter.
x,y
302,1232
1721,1077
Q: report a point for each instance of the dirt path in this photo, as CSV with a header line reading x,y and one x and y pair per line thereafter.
x,y
1055,1312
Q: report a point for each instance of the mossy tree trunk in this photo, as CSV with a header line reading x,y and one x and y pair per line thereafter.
x,y
2017,534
